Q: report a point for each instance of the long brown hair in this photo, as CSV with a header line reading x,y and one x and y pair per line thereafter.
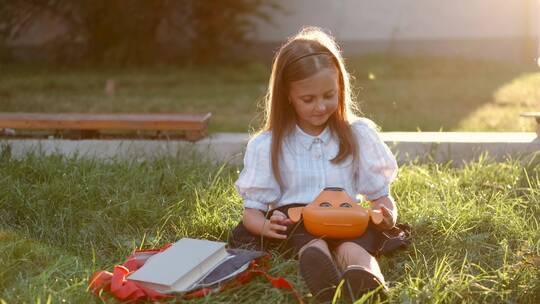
x,y
300,57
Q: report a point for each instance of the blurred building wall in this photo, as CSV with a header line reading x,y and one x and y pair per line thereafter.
x,y
503,29
497,29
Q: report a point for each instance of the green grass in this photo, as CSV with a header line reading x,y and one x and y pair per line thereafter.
x,y
399,93
476,234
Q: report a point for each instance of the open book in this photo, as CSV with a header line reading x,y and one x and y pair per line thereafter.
x,y
180,266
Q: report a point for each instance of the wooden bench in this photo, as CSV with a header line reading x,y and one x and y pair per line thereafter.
x,y
88,125
535,115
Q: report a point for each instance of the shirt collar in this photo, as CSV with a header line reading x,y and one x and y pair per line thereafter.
x,y
308,140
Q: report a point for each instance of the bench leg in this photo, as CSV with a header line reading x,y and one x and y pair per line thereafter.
x,y
89,134
77,134
194,135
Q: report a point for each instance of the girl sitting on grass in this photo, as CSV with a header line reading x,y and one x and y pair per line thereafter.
x,y
312,140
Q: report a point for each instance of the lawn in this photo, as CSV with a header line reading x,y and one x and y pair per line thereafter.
x,y
399,93
476,234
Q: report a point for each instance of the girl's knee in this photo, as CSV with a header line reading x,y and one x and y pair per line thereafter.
x,y
349,253
350,248
319,243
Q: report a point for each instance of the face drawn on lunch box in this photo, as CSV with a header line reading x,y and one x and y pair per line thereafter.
x,y
335,214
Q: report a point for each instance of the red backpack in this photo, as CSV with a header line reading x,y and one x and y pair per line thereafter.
x,y
239,270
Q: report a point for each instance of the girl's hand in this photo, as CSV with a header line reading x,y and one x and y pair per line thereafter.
x,y
277,223
281,218
388,210
388,219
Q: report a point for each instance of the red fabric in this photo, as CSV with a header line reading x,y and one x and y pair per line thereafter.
x,y
120,287
277,282
198,293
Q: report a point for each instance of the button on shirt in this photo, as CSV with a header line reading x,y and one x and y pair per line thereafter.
x,y
306,168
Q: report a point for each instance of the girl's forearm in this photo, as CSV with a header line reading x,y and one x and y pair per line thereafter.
x,y
254,221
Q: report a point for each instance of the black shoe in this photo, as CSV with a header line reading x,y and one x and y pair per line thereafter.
x,y
320,273
359,281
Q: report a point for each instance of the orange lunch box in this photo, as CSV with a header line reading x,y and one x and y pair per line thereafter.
x,y
334,214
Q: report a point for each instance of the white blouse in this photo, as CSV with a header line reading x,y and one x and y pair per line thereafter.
x,y
306,168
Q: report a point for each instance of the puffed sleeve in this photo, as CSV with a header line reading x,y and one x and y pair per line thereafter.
x,y
256,183
377,166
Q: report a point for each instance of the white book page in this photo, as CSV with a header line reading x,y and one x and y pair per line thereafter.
x,y
177,261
